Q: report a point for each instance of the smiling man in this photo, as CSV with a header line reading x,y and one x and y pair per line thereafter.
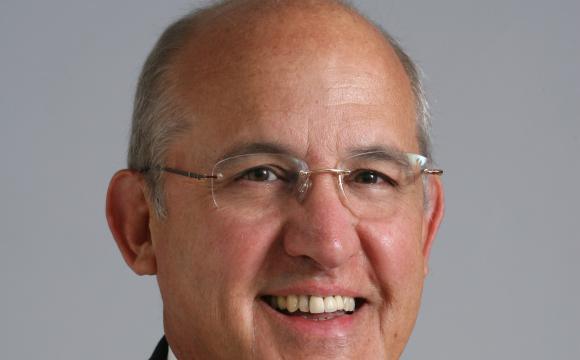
x,y
279,185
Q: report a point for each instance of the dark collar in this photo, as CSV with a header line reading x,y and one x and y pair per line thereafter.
x,y
161,350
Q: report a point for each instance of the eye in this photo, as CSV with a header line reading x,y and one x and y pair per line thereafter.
x,y
261,174
371,177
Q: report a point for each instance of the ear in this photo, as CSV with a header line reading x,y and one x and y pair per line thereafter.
x,y
128,217
433,215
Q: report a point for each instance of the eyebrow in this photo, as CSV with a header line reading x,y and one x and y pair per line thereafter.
x,y
380,152
256,147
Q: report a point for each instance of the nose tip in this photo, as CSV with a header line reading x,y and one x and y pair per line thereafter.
x,y
323,228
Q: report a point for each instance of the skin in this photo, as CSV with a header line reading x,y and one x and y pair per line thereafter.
x,y
318,81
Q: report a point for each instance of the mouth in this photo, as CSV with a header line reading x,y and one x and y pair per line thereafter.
x,y
314,307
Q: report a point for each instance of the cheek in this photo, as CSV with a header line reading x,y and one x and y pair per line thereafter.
x,y
220,252
394,251
208,258
240,248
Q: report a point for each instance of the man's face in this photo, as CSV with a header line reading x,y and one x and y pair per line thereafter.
x,y
217,268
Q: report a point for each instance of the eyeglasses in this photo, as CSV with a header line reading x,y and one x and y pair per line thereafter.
x,y
371,184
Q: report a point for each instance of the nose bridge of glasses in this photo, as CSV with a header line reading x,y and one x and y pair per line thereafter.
x,y
305,181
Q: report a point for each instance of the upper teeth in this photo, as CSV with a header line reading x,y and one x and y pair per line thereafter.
x,y
313,304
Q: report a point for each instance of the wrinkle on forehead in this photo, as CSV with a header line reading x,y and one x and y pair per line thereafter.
x,y
360,88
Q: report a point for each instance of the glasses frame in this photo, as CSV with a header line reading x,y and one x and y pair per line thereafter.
x,y
304,175
176,171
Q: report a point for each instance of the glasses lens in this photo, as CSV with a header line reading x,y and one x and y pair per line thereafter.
x,y
378,182
255,184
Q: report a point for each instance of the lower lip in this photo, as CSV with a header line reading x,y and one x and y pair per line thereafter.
x,y
338,326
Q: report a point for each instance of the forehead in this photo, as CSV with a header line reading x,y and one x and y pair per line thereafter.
x,y
313,83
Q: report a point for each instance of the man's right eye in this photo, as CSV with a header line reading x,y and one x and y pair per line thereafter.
x,y
260,174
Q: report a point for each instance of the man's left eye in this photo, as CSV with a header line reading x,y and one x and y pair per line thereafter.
x,y
371,177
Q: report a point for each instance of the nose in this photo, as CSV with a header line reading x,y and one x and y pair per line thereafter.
x,y
321,228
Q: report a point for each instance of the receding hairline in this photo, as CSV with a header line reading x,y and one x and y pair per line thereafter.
x,y
211,47
239,23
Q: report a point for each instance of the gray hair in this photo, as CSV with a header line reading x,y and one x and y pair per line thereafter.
x,y
158,117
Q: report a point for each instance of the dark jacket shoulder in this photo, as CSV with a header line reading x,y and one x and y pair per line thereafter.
x,y
161,350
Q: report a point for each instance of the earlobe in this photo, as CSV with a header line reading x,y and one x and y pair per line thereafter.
x,y
433,216
128,217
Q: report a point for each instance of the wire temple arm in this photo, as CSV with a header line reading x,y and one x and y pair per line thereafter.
x,y
433,171
180,172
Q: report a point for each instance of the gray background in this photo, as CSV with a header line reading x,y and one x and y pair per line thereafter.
x,y
504,81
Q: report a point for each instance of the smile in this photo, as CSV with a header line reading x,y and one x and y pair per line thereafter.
x,y
314,307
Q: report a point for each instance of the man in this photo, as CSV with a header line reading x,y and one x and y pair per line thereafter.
x,y
275,187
